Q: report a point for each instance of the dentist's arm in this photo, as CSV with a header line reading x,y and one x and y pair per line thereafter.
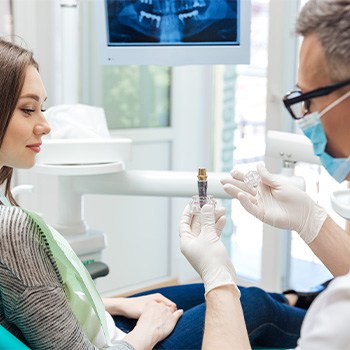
x,y
280,204
224,322
332,247
200,243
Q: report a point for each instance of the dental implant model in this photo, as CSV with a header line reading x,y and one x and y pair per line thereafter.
x,y
202,182
202,198
252,179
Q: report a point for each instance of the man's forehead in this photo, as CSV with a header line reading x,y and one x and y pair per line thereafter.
x,y
312,72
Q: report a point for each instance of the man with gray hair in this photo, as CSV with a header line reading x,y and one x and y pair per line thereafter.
x,y
321,106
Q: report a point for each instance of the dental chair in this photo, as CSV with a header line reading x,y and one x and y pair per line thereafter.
x,y
96,268
9,342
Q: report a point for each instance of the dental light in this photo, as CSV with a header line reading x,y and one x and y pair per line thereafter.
x,y
291,148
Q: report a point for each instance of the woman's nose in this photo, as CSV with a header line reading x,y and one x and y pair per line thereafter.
x,y
42,128
46,128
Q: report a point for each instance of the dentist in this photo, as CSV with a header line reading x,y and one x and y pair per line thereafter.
x,y
321,106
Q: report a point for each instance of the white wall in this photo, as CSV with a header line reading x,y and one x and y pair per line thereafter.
x,y
5,19
37,25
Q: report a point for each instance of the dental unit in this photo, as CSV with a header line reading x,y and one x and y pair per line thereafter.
x,y
113,178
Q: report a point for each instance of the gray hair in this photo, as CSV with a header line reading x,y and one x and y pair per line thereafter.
x,y
329,20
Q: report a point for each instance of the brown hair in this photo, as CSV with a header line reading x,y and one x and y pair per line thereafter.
x,y
14,61
329,20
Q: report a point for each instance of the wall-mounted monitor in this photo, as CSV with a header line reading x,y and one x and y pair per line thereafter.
x,y
173,32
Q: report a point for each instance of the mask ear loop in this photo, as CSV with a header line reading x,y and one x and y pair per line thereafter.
x,y
334,103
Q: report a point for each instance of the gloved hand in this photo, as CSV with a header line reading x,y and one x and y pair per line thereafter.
x,y
200,243
278,203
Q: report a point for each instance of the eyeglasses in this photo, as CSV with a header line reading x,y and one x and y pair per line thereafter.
x,y
298,104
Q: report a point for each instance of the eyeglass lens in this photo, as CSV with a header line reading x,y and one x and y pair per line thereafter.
x,y
299,109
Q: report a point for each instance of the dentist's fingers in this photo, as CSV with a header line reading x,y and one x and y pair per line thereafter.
x,y
190,225
196,225
220,211
186,217
272,180
249,205
237,174
220,220
232,190
236,180
219,225
208,221
185,222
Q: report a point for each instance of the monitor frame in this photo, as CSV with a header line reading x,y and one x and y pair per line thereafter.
x,y
173,55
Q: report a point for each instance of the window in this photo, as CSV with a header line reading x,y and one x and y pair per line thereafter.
x,y
136,96
241,119
132,96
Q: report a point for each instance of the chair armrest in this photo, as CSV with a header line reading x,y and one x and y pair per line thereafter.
x,y
96,268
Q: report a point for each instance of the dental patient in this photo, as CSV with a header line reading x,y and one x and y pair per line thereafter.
x,y
47,298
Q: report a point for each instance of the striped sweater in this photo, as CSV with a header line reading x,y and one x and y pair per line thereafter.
x,y
33,305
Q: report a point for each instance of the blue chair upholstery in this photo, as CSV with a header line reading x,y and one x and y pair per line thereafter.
x,y
9,342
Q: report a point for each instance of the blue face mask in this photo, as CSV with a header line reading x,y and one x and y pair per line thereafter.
x,y
311,125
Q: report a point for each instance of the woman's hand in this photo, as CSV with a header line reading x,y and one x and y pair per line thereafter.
x,y
133,307
156,322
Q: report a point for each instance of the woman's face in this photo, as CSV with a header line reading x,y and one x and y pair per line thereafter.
x,y
27,125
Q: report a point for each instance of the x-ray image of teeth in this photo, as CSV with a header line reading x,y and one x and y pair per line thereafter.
x,y
193,22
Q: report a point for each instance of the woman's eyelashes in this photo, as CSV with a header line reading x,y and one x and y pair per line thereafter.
x,y
28,111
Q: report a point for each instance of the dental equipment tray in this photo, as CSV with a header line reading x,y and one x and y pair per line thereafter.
x,y
341,203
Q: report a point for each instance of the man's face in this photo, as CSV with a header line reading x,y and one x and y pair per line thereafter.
x,y
312,74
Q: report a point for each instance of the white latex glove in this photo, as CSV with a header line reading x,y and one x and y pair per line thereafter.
x,y
278,203
201,245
